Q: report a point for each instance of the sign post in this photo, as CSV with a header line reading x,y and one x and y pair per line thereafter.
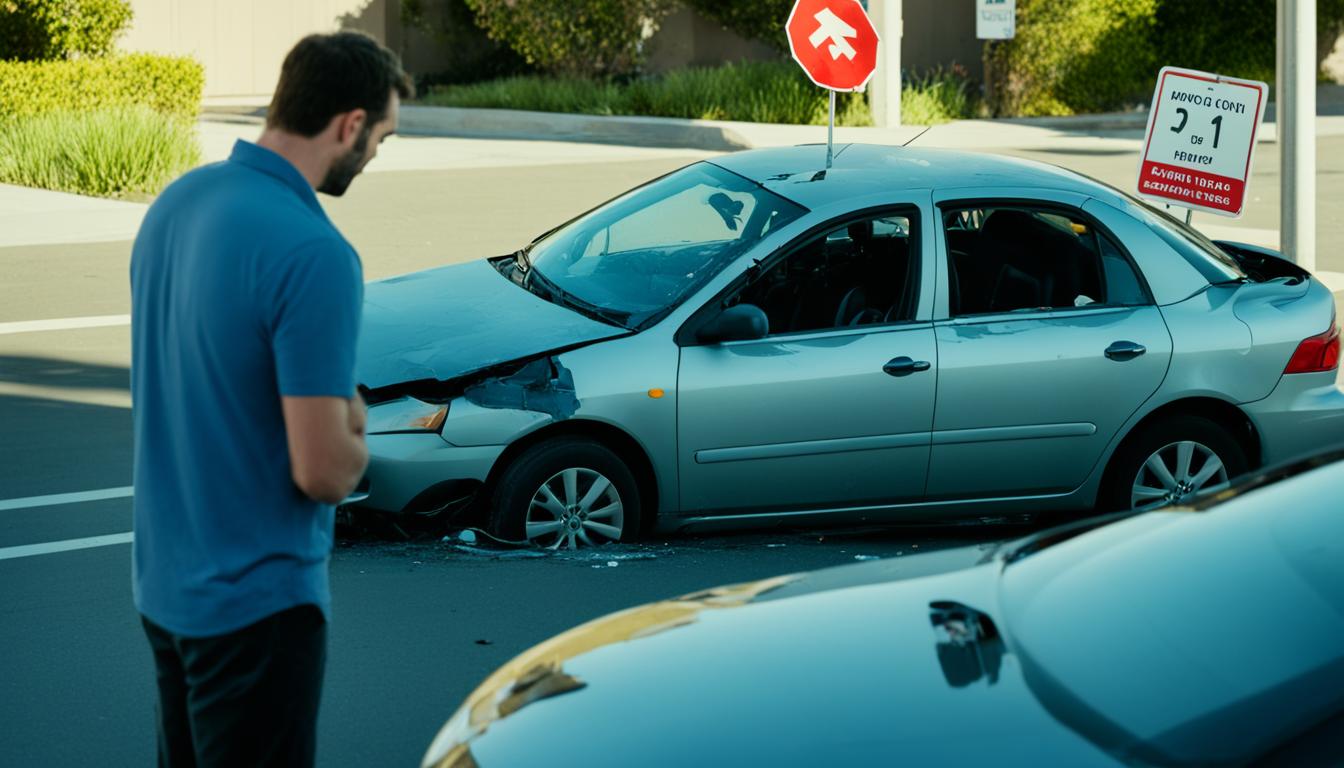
x,y
1296,118
836,45
1200,141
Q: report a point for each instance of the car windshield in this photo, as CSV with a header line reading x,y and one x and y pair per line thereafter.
x,y
1203,603
642,254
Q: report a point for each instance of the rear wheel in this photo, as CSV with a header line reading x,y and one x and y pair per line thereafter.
x,y
1171,462
566,493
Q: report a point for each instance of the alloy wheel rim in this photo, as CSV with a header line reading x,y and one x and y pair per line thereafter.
x,y
575,507
1176,473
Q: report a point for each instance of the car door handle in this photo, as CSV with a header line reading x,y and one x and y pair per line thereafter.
x,y
904,366
1125,350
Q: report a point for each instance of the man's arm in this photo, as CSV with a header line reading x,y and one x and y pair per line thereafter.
x,y
327,453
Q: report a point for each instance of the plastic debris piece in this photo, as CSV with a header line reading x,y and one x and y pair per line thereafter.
x,y
775,546
468,536
612,563
485,642
867,557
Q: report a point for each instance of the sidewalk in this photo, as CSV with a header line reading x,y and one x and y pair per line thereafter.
x,y
1115,130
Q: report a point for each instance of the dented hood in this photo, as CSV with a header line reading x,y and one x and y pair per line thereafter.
x,y
452,321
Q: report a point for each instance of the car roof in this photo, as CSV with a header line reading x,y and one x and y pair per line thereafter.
x,y
795,172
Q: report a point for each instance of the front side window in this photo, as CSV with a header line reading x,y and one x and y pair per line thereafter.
x,y
645,252
863,272
1020,258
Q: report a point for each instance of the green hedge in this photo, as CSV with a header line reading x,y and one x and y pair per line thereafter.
x,y
1100,55
35,30
169,85
1073,56
119,152
765,92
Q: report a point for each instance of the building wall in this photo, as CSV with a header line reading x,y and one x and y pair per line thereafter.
x,y
243,42
939,33
688,39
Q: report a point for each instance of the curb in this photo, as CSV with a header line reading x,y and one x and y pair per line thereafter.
x,y
552,126
728,136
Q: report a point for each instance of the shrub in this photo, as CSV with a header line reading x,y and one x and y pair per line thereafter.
x,y
1096,55
593,38
117,152
1074,56
39,30
753,19
937,97
168,85
766,92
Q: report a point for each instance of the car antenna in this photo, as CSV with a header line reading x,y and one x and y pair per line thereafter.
x,y
921,133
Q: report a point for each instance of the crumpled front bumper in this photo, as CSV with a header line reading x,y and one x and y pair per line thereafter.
x,y
402,466
1304,414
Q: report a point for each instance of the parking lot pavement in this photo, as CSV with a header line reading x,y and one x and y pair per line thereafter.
x,y
404,645
415,627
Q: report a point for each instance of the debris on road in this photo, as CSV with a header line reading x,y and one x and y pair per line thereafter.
x,y
868,557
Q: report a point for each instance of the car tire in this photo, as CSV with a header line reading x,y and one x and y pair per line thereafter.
x,y
1164,440
519,499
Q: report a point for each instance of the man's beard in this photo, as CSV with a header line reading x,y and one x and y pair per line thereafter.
x,y
347,167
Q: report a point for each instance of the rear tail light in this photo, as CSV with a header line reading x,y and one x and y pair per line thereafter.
x,y
1317,354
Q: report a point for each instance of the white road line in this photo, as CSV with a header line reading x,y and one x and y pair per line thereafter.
x,y
67,498
64,324
52,547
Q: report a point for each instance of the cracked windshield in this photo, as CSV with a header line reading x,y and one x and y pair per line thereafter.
x,y
642,253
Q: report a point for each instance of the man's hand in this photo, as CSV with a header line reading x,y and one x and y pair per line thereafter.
x,y
359,414
327,454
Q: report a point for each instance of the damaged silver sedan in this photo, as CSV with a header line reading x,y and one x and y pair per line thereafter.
x,y
908,334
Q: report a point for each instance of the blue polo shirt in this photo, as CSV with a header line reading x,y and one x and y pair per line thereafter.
x,y
242,290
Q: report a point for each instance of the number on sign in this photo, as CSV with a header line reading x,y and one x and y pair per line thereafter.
x,y
1185,116
1217,130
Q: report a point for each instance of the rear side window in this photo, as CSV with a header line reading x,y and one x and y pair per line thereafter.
x,y
1202,254
1021,258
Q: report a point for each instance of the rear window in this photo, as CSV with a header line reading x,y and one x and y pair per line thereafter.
x,y
1214,264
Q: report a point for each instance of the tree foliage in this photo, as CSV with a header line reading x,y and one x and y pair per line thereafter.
x,y
761,20
593,38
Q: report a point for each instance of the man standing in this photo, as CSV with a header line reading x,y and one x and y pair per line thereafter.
x,y
245,306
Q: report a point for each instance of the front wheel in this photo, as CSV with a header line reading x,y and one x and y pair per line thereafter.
x,y
565,493
1171,462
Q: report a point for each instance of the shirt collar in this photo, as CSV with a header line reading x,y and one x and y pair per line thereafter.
x,y
264,160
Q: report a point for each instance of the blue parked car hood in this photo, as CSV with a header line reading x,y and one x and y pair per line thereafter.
x,y
452,321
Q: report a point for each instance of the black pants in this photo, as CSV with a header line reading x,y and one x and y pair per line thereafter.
x,y
248,698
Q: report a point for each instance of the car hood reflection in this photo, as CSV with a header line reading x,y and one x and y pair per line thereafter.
x,y
452,321
893,657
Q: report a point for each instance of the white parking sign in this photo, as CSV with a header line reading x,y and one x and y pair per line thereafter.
x,y
1201,138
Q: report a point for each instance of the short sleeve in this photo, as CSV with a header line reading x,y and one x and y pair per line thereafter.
x,y
316,303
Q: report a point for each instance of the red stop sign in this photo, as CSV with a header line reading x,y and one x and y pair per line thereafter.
x,y
834,41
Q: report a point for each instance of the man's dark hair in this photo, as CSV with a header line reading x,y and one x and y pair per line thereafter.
x,y
326,75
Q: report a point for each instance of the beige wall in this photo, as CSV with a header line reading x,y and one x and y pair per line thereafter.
x,y
242,42
687,39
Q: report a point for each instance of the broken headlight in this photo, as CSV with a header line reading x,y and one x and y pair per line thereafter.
x,y
406,414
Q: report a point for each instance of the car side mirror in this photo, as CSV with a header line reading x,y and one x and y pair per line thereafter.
x,y
741,322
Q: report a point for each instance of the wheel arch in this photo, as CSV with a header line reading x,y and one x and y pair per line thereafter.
x,y
1220,412
616,439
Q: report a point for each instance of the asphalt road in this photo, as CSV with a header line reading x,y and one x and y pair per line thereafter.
x,y
416,625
